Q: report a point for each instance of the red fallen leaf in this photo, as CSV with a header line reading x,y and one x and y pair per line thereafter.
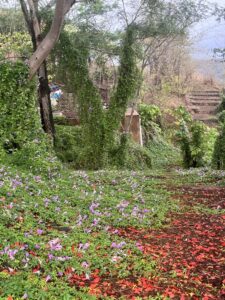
x,y
36,269
73,248
208,297
10,298
96,280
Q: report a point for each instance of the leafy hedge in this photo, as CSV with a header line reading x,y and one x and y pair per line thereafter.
x,y
22,140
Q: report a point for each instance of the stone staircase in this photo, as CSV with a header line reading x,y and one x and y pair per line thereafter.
x,y
203,105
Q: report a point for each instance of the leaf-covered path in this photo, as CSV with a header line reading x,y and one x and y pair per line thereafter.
x,y
189,251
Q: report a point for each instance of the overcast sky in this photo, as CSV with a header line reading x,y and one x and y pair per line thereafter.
x,y
208,35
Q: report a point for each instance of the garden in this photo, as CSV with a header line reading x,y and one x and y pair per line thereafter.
x,y
87,211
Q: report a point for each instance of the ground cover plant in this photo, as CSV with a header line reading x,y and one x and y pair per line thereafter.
x,y
110,235
54,230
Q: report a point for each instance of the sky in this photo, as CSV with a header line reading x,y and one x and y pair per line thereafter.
x,y
207,35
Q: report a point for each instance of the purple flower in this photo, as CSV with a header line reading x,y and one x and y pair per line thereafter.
x,y
55,244
139,246
46,201
15,183
95,222
62,258
118,246
25,296
93,207
60,274
83,246
40,231
37,246
37,178
85,265
50,256
12,253
123,204
48,278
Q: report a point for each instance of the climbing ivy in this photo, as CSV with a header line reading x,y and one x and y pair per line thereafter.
x,y
22,141
18,115
126,87
192,140
218,159
99,127
91,114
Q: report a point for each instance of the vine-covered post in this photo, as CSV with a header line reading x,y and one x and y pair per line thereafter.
x,y
126,87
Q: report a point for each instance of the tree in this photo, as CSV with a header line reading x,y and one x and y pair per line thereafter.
x,y
42,46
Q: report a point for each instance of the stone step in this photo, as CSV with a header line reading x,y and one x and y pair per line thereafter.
x,y
204,117
202,109
203,97
205,103
198,93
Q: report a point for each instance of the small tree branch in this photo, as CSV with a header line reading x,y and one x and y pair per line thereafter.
x,y
34,20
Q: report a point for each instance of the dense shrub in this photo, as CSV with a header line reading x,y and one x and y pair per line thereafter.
x,y
130,155
126,154
164,154
69,144
222,103
193,145
150,122
218,160
22,140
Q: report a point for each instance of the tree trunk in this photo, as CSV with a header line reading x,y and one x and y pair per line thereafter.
x,y
45,102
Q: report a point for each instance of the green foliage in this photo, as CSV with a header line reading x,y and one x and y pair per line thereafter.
x,y
181,113
221,107
218,160
11,20
185,141
61,120
150,122
163,154
17,44
193,144
99,128
126,86
22,141
75,61
126,154
130,155
198,146
221,117
211,135
69,145
18,115
76,211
